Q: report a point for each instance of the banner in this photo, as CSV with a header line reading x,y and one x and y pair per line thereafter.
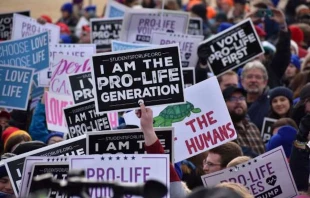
x,y
24,26
54,105
151,75
268,175
199,125
266,132
129,141
82,118
231,48
188,45
103,31
195,26
114,9
189,76
15,84
27,52
138,24
81,87
123,168
15,165
6,23
120,45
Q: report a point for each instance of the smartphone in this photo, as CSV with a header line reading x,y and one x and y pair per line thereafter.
x,y
261,13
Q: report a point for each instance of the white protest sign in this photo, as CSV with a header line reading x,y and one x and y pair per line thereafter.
x,y
199,124
54,105
24,26
79,26
138,24
188,45
114,9
268,175
120,45
126,168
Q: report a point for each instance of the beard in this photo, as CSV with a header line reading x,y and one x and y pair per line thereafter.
x,y
253,89
237,117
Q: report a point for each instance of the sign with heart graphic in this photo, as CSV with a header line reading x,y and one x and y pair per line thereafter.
x,y
266,176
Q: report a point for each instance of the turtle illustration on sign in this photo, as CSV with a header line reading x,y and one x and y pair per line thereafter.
x,y
174,113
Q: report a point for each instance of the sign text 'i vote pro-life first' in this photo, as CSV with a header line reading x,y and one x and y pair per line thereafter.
x,y
124,78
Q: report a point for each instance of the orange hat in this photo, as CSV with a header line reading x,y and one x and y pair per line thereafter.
x,y
7,132
47,18
16,133
64,29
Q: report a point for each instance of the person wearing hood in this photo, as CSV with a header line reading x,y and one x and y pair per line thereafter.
x,y
292,70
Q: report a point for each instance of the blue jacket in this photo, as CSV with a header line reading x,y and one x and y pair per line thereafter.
x,y
38,128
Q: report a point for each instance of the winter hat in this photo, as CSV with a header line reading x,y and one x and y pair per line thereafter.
x,y
260,31
281,91
86,28
7,132
19,119
285,137
91,8
64,29
14,134
47,18
200,10
67,7
295,46
221,16
77,1
297,34
305,92
65,38
268,47
295,61
223,26
54,134
28,146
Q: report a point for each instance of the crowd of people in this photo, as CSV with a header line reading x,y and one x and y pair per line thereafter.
x,y
274,85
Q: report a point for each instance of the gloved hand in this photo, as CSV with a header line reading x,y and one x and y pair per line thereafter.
x,y
304,129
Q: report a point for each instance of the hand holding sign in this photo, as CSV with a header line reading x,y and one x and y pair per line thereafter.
x,y
146,121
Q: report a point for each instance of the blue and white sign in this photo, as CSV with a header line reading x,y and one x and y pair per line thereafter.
x,y
15,83
120,45
30,52
115,9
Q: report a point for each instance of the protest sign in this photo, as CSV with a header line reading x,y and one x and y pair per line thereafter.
x,y
27,52
81,87
129,141
79,26
266,132
15,84
6,23
58,169
189,76
103,31
54,105
15,165
120,45
36,94
138,24
199,125
82,118
114,9
137,168
195,26
24,26
231,48
266,176
126,77
188,45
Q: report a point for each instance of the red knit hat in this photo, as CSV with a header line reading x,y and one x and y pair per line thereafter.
x,y
7,132
260,31
297,34
47,18
64,29
14,134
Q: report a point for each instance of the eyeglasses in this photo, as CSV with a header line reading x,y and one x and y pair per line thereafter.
x,y
236,99
210,164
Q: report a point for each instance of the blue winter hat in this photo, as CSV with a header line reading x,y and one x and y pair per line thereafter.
x,y
65,38
281,91
67,7
54,134
285,138
91,8
295,61
223,26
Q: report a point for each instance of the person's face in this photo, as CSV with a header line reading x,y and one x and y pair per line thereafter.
x,y
225,7
239,9
280,105
228,80
5,185
254,81
237,106
4,122
293,51
307,106
65,14
85,37
290,71
212,163
54,140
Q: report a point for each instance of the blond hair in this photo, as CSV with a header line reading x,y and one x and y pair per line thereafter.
x,y
236,187
238,160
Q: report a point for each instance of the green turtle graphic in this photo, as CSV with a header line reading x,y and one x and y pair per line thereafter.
x,y
174,113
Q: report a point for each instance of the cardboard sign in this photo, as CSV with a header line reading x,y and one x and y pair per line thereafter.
x,y
195,26
6,23
139,24
114,9
24,26
120,45
123,78
188,45
82,118
266,132
268,175
189,76
199,124
15,165
15,84
57,169
231,48
54,105
27,52
81,87
103,31
123,168
129,141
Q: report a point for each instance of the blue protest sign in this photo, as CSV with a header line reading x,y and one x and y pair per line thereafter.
x,y
15,83
115,9
27,52
120,45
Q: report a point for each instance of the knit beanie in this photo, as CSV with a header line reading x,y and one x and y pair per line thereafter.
x,y
47,18
295,61
28,146
14,134
91,8
281,91
268,47
297,34
223,26
67,7
54,134
64,29
200,10
7,132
